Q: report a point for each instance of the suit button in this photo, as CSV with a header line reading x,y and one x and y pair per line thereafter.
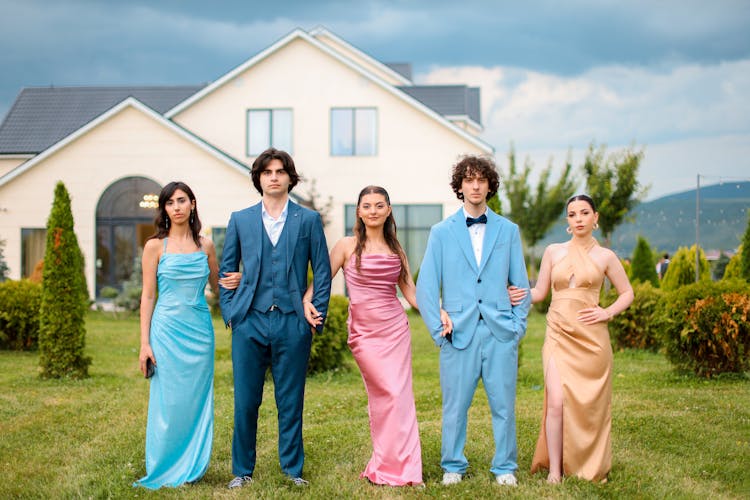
x,y
480,301
479,280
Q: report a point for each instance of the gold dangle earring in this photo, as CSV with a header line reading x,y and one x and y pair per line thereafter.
x,y
596,226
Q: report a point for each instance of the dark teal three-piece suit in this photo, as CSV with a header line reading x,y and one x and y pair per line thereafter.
x,y
269,326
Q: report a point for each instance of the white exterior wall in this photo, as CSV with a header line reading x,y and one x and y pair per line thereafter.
x,y
8,163
130,144
359,58
415,151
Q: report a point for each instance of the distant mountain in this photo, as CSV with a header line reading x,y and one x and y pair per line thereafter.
x,y
669,222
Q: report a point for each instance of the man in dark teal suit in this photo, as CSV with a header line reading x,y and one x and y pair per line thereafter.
x,y
275,240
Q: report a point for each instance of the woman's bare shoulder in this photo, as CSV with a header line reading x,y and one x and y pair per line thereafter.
x,y
207,243
153,244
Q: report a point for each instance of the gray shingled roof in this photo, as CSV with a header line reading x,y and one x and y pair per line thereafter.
x,y
403,69
447,100
41,116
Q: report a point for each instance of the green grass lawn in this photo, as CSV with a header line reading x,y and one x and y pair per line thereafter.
x,y
672,435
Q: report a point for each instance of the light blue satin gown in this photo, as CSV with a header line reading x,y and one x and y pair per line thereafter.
x,y
179,432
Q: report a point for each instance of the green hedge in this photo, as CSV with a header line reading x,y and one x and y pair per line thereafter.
x,y
636,327
19,314
706,327
329,349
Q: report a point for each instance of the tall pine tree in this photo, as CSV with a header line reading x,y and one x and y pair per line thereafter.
x,y
62,328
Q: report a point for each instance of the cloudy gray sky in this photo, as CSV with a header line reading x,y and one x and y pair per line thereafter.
x,y
672,77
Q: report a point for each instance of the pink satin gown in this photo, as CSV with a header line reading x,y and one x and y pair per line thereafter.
x,y
380,341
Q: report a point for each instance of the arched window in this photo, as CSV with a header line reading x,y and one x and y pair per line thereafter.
x,y
124,219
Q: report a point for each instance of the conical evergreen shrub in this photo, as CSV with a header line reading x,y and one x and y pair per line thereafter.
x,y
62,328
681,270
734,267
642,267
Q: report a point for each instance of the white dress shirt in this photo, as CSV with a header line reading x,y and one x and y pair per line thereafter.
x,y
274,226
476,232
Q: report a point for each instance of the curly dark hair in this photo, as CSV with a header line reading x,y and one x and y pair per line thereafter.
x,y
262,161
471,165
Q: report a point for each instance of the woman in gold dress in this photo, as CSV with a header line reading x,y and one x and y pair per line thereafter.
x,y
574,439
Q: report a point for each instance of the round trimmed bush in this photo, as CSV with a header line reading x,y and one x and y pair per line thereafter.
x,y
19,314
329,349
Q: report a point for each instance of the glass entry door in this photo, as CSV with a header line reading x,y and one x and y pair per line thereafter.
x,y
124,220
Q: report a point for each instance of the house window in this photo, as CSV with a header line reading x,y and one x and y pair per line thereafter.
x,y
33,244
413,223
269,128
353,131
218,234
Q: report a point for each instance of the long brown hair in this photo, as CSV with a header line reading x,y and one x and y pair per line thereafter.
x,y
389,232
160,222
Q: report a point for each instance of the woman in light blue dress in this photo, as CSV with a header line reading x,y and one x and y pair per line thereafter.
x,y
177,336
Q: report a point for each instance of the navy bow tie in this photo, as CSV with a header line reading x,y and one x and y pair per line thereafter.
x,y
482,219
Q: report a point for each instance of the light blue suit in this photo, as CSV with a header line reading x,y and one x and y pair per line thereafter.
x,y
486,329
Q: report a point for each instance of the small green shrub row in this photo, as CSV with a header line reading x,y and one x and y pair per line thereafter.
x,y
705,327
329,349
19,314
702,327
636,327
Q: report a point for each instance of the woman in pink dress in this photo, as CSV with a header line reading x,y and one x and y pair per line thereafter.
x,y
374,264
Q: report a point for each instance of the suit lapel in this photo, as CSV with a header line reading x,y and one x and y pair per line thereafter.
x,y
256,228
458,227
292,226
491,232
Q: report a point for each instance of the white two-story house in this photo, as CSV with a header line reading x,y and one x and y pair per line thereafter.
x,y
347,119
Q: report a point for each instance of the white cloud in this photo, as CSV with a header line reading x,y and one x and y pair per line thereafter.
x,y
691,118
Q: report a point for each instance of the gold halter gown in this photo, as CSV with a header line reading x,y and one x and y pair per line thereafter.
x,y
583,357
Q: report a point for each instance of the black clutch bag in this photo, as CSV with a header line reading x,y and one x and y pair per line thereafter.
x,y
149,368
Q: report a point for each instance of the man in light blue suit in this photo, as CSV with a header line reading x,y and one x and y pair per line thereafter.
x,y
471,258
275,240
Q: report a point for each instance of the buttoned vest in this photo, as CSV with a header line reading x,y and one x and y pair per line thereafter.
x,y
273,282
